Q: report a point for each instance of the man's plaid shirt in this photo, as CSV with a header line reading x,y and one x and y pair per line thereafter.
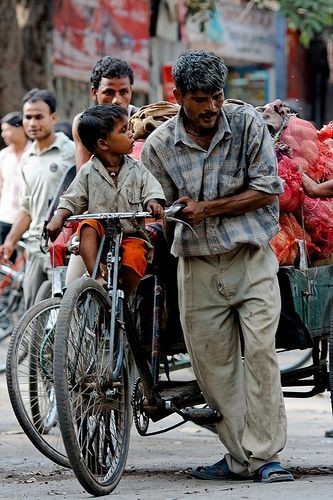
x,y
240,156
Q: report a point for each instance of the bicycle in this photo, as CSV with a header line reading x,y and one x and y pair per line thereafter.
x,y
29,370
91,368
11,299
29,373
30,354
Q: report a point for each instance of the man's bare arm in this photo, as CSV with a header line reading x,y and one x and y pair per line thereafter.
x,y
82,155
247,201
21,224
314,190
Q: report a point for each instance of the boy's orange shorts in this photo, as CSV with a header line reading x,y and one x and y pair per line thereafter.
x,y
134,250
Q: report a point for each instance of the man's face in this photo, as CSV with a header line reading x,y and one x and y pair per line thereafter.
x,y
11,134
38,121
201,108
113,91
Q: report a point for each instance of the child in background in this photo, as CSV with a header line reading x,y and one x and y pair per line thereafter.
x,y
110,181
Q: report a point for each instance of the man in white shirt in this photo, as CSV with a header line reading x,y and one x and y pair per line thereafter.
x,y
42,168
10,157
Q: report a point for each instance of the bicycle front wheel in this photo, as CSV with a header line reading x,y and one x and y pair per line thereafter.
x,y
30,379
93,408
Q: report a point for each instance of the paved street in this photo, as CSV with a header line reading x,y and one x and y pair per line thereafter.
x,y
156,466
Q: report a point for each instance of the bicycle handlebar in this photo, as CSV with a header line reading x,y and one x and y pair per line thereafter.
x,y
169,212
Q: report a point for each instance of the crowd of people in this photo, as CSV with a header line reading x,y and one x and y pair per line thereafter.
x,y
218,160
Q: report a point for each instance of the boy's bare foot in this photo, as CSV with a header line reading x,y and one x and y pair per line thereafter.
x,y
101,281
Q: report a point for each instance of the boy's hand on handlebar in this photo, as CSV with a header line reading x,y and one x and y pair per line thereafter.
x,y
55,225
193,212
155,209
54,228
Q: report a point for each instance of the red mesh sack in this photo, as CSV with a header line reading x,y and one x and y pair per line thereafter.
x,y
326,132
318,222
301,136
284,249
317,172
284,243
325,161
293,195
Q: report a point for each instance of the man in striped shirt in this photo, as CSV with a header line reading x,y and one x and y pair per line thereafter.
x,y
218,159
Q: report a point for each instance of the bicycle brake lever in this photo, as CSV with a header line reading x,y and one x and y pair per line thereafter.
x,y
44,244
174,209
174,219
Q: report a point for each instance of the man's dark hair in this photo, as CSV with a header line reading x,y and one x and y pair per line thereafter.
x,y
35,95
110,67
65,127
14,119
199,70
97,122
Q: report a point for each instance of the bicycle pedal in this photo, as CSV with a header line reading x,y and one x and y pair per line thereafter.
x,y
201,416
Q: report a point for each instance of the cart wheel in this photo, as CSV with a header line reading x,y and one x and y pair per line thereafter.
x,y
330,363
93,408
291,360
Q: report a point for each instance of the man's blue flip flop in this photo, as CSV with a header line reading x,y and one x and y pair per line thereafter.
x,y
272,472
216,472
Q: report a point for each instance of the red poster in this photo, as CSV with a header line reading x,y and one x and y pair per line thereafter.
x,y
167,83
86,30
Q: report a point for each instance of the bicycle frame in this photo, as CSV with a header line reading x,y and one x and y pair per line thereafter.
x,y
156,404
111,243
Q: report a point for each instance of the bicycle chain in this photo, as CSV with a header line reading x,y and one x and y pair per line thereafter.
x,y
141,420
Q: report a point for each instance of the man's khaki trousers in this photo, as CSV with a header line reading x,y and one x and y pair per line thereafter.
x,y
219,296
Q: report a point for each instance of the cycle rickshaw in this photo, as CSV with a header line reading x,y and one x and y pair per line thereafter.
x,y
101,343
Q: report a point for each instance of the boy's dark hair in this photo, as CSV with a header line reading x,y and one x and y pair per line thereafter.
x,y
14,119
97,122
35,95
199,70
110,67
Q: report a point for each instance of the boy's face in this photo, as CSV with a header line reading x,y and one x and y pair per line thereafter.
x,y
120,139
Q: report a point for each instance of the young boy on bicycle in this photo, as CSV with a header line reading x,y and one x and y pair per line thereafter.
x,y
110,181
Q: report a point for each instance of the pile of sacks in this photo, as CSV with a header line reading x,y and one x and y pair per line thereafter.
x,y
300,147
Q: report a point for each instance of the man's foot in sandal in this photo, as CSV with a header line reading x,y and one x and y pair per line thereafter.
x,y
272,472
329,433
219,471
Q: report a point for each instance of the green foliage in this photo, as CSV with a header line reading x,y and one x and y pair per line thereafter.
x,y
200,6
201,9
308,16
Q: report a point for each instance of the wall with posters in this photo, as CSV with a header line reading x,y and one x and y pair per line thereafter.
x,y
236,33
86,30
249,84
246,38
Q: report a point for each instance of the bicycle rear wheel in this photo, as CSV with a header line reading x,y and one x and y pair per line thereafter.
x,y
30,379
11,309
330,359
94,410
45,291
